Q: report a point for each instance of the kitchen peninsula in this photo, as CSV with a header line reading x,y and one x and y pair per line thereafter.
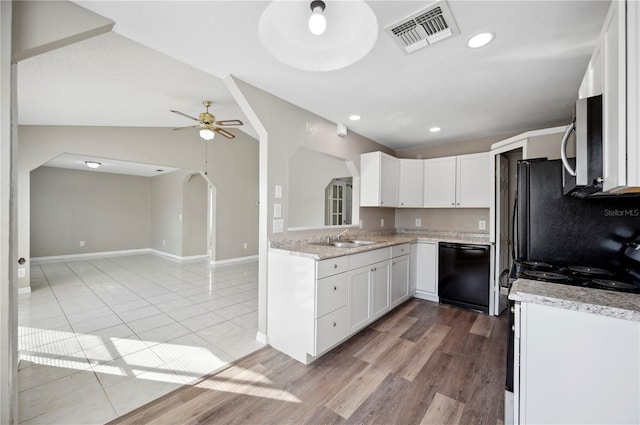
x,y
320,295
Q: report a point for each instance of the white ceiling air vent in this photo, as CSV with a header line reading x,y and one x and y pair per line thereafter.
x,y
428,26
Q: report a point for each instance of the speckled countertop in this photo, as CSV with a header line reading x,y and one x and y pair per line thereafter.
x,y
619,305
321,252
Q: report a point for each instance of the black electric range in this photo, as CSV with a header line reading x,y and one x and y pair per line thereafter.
x,y
584,276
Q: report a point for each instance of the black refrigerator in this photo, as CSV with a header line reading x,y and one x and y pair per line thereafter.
x,y
566,231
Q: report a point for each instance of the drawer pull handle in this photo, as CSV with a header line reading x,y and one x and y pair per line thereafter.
x,y
335,266
335,288
334,324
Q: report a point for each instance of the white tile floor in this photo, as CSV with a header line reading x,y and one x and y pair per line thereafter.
x,y
100,337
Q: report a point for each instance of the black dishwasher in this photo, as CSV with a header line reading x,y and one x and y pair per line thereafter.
x,y
463,275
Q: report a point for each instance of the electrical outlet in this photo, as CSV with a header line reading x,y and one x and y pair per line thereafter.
x,y
382,222
418,222
180,217
245,245
361,224
81,243
482,225
22,272
163,242
278,225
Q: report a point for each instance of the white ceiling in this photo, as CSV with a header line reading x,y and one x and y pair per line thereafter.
x,y
112,166
526,79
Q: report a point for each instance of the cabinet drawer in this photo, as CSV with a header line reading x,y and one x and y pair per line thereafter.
x,y
398,250
331,293
367,258
331,329
332,266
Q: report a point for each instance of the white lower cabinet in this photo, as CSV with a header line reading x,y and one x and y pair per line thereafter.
x,y
575,367
425,270
314,305
400,272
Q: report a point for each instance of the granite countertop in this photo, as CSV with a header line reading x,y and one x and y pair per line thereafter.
x,y
321,252
620,305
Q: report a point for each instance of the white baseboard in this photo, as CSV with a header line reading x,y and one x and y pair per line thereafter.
x,y
25,290
425,296
234,260
262,338
91,254
177,257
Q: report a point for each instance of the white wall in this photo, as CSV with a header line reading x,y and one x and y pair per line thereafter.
x,y
194,216
109,212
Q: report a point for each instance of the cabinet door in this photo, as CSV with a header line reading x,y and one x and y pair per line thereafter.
x,y
390,177
440,182
563,350
633,93
359,298
380,288
473,178
427,268
379,179
411,183
614,99
399,279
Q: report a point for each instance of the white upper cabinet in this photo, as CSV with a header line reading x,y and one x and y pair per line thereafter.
x,y
472,181
613,71
440,182
411,183
379,179
457,182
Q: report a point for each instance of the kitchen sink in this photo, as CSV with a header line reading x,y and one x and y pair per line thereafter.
x,y
345,243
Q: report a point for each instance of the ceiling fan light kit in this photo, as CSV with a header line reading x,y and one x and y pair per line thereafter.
x,y
317,21
351,31
208,124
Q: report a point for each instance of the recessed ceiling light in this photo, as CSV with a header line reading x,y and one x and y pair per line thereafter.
x,y
93,164
480,40
354,117
435,129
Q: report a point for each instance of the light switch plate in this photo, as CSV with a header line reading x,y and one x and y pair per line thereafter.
x,y
278,225
277,210
382,222
278,192
482,225
22,272
418,222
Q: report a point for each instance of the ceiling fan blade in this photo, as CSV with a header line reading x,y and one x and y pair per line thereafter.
x,y
228,122
224,132
184,115
189,126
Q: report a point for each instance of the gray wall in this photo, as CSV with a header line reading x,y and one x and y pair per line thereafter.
x,y
232,165
166,210
194,215
109,212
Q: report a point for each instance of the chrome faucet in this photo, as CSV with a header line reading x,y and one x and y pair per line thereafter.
x,y
336,237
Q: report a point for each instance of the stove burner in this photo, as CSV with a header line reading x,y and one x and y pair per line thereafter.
x,y
612,284
592,271
554,277
537,265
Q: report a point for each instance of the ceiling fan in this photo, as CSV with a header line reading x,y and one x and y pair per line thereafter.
x,y
208,123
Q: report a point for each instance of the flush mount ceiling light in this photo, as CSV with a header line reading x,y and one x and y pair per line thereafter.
x,y
435,129
207,134
93,164
355,117
480,40
317,21
350,33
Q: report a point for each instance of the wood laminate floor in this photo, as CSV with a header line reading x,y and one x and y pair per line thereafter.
x,y
423,363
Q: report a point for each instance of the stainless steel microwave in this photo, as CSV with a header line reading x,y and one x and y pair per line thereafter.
x,y
582,175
